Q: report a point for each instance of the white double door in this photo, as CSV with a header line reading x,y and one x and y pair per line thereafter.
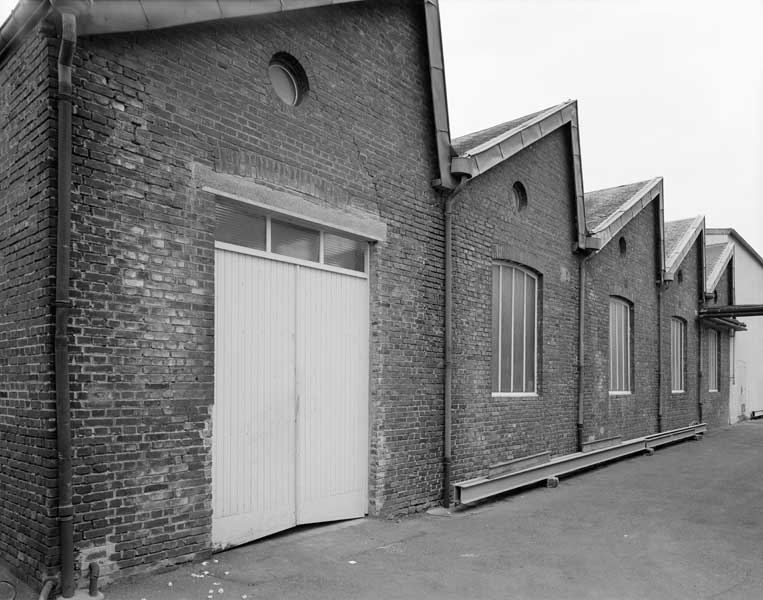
x,y
290,418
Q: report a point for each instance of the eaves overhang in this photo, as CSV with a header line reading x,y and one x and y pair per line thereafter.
x,y
483,157
608,229
718,268
118,16
682,249
25,15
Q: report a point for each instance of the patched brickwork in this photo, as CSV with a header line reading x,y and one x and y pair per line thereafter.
x,y
28,533
149,106
490,229
632,276
681,300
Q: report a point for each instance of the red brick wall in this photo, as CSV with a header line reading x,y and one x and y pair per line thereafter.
x,y
632,276
487,227
681,299
28,533
149,105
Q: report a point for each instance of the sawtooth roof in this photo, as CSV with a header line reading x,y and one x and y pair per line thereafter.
x,y
717,258
713,254
601,204
465,143
680,236
674,232
478,152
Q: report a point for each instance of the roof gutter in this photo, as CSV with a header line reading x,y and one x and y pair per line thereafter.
x,y
21,20
120,16
446,180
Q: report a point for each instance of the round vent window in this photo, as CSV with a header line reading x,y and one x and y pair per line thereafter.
x,y
623,246
288,78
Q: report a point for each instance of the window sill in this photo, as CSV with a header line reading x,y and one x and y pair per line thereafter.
x,y
620,393
514,394
677,392
712,391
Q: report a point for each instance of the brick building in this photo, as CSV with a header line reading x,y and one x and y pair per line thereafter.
x,y
248,281
252,189
685,267
624,277
516,229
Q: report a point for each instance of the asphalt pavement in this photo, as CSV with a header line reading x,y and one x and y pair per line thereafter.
x,y
684,523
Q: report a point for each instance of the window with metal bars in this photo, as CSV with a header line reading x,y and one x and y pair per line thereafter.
x,y
515,330
712,360
619,345
677,354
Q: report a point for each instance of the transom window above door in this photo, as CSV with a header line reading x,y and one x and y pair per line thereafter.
x,y
243,225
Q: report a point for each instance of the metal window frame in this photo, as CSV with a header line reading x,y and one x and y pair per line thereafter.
x,y
713,361
677,355
319,264
512,393
620,346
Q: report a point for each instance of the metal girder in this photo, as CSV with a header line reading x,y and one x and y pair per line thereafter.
x,y
484,487
666,437
735,310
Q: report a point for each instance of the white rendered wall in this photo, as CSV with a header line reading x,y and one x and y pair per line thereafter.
x,y
747,385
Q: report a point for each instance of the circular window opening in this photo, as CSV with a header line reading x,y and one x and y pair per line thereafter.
x,y
623,246
288,78
520,195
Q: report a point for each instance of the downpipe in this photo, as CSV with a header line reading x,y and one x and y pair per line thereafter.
x,y
448,391
699,371
62,304
579,423
660,394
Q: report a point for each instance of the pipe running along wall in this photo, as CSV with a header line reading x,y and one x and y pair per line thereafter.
x,y
450,199
62,303
581,350
660,395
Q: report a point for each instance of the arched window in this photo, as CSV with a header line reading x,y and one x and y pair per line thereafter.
x,y
713,361
677,354
515,330
619,345
519,192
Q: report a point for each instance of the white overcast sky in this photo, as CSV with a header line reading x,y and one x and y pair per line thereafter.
x,y
665,87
